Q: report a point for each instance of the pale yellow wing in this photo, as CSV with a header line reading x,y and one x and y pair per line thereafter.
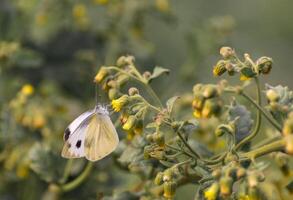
x,y
101,138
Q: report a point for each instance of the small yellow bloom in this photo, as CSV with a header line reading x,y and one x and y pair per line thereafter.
x,y
212,192
243,77
41,19
197,114
131,120
79,11
27,89
117,104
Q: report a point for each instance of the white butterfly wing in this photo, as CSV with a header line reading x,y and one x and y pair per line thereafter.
x,y
101,138
74,136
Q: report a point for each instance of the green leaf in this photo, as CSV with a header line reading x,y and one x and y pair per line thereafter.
x,y
158,71
244,122
170,103
248,72
45,163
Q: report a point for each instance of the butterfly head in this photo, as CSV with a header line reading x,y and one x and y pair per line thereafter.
x,y
101,109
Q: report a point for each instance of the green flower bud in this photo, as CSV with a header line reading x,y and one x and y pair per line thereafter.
x,y
147,75
103,72
159,138
125,60
159,178
288,127
211,107
210,91
197,88
113,93
149,138
122,79
169,189
133,91
216,173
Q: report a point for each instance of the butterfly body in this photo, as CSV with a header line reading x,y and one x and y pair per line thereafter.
x,y
91,135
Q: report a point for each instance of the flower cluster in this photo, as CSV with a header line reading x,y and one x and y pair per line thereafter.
x,y
247,68
206,102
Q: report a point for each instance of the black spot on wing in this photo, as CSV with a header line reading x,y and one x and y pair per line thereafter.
x,y
78,143
66,134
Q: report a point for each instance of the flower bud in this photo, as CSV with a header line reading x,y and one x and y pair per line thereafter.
x,y
100,76
211,107
113,93
159,178
272,95
210,91
197,114
125,60
219,68
216,173
197,88
198,102
159,138
168,175
241,172
129,124
289,144
169,189
138,128
122,79
133,91
226,186
264,65
288,127
147,75
212,192
149,138
227,52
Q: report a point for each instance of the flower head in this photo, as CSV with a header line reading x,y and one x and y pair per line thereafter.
x,y
27,89
117,104
212,192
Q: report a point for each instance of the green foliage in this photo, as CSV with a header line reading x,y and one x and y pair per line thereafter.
x,y
201,139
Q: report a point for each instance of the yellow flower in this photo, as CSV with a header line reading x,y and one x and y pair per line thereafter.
x,y
212,192
79,11
41,19
117,104
131,120
243,77
27,89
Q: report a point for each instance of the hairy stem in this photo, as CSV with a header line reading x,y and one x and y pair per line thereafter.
x,y
268,148
258,117
79,180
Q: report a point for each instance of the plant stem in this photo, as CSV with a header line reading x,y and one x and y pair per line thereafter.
x,y
66,173
76,182
186,144
271,120
258,117
268,148
142,81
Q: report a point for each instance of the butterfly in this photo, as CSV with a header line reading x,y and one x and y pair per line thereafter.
x,y
91,135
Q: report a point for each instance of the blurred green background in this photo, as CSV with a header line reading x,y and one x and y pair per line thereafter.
x,y
50,51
